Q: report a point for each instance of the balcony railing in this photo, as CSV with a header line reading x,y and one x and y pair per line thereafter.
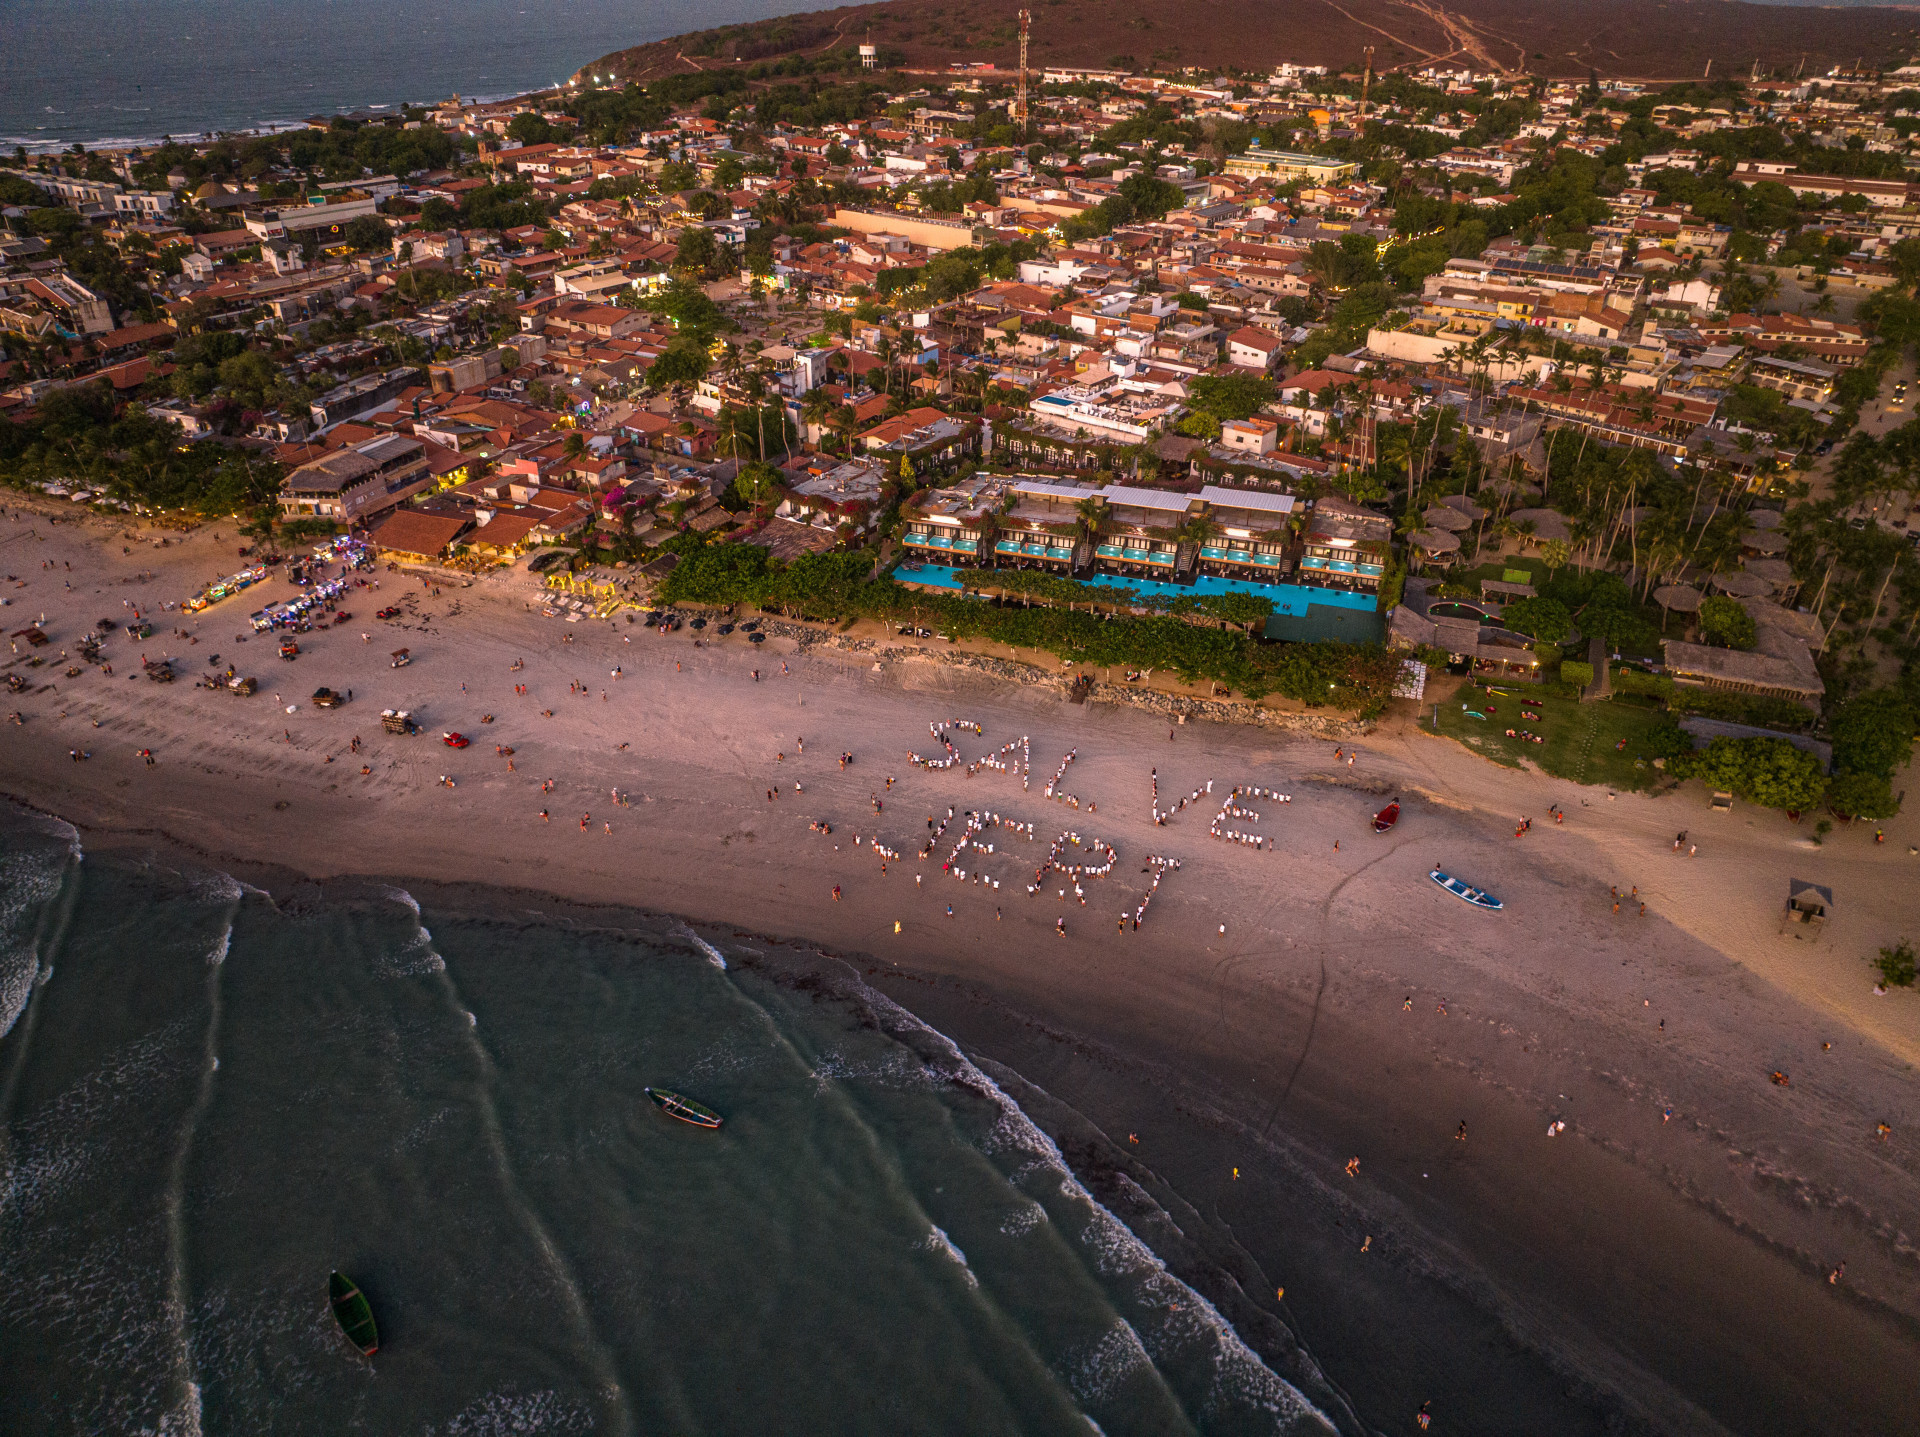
x,y
1241,556
1314,564
946,542
1013,547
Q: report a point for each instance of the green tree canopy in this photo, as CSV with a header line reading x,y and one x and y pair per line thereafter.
x,y
1229,396
1768,771
1539,618
1726,624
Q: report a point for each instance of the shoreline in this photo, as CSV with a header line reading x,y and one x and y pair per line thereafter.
x,y
1672,1272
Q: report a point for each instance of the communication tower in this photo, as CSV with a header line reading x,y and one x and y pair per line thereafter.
x,y
1020,91
869,56
1366,82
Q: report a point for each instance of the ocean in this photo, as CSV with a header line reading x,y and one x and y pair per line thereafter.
x,y
94,71
210,1099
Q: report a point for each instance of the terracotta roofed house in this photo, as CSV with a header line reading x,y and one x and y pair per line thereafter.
x,y
410,534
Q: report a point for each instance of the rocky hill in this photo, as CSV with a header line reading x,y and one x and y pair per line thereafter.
x,y
1632,39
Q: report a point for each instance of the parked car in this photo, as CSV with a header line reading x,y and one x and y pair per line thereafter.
x,y
455,740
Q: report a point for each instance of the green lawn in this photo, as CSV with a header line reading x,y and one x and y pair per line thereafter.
x,y
1580,738
1535,571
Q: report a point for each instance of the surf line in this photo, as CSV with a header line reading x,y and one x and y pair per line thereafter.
x,y
598,1356
188,1405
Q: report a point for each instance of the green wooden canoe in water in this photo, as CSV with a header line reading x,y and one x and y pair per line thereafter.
x,y
351,1311
678,1105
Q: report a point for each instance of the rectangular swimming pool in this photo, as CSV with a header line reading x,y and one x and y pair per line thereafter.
x,y
1287,598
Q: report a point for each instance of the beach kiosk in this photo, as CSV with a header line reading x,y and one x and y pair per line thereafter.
x,y
1808,905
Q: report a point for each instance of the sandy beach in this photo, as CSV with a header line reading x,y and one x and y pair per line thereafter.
x,y
1662,1263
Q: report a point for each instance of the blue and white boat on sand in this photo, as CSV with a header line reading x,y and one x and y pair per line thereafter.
x,y
1478,897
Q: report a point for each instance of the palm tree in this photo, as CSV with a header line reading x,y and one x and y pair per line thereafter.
x,y
732,443
817,406
755,386
846,421
1090,511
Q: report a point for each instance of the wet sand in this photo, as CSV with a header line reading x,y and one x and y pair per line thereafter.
x,y
1672,1274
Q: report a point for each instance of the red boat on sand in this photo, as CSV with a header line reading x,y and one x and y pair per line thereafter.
x,y
1387,817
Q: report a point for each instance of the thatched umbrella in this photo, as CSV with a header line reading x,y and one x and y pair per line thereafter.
x,y
1437,542
1777,572
1515,487
1440,516
1547,523
1466,506
1683,597
1741,585
1765,518
1759,541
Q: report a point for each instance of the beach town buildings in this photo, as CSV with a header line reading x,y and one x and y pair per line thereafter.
x,y
1044,416
353,485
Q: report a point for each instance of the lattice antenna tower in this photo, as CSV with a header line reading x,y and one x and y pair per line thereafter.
x,y
1020,89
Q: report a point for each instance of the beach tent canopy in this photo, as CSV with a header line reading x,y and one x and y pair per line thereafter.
x,y
1809,900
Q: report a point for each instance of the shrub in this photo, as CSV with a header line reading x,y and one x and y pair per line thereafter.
x,y
1897,965
1632,681
1576,671
1763,710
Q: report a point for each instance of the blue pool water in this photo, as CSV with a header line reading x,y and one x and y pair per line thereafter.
x,y
942,576
1287,598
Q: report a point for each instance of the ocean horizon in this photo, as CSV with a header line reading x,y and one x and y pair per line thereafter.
x,y
97,72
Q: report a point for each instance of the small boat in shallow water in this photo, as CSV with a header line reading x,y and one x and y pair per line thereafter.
x,y
1387,817
352,1311
678,1105
1478,897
